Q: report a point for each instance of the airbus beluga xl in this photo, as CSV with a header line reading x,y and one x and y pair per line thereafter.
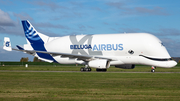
x,y
97,51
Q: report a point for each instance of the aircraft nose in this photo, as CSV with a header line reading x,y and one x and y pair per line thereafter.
x,y
172,63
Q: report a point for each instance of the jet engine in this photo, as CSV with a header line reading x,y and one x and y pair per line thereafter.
x,y
127,66
99,63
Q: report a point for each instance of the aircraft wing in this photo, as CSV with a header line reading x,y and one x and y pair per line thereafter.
x,y
79,57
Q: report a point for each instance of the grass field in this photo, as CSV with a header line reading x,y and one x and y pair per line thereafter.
x,y
18,85
139,68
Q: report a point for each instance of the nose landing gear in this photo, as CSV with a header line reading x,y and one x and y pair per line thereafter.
x,y
153,69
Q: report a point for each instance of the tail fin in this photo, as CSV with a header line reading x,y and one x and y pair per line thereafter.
x,y
36,39
7,44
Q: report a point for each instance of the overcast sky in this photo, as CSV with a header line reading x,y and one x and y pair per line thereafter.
x,y
66,17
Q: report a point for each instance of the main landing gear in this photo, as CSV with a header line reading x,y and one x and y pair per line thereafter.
x,y
86,68
153,69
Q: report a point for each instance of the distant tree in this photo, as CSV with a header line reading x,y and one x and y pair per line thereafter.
x,y
36,60
23,59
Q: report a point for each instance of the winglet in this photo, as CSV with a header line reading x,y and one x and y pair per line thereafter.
x,y
7,44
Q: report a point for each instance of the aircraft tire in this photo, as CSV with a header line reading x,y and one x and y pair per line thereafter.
x,y
82,69
89,69
101,70
104,70
85,69
152,70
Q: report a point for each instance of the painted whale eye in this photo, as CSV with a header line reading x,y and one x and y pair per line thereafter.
x,y
131,52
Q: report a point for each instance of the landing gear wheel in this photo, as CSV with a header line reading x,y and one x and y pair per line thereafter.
x,y
101,70
152,70
85,69
89,69
82,69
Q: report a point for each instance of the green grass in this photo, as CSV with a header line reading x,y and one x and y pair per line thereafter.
x,y
138,68
89,86
38,86
32,63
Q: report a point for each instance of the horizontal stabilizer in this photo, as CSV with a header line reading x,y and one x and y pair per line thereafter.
x,y
19,47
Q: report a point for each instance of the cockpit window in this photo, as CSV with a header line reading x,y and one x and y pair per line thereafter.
x,y
162,44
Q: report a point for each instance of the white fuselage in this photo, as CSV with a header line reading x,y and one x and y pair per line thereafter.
x,y
132,48
96,51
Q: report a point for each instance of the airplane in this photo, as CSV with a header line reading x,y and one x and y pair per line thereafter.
x,y
98,51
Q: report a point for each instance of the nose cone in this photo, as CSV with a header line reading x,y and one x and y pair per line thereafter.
x,y
171,64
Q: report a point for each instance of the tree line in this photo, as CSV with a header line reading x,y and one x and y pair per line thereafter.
x,y
26,59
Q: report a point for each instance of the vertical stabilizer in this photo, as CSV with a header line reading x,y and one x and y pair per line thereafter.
x,y
33,36
7,44
36,39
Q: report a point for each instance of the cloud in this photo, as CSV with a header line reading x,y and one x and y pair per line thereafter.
x,y
60,10
105,23
82,27
46,28
118,5
5,19
2,29
137,10
131,30
48,32
15,30
23,16
73,33
53,6
8,26
97,9
168,31
6,2
91,27
172,46
49,25
43,27
76,4
148,11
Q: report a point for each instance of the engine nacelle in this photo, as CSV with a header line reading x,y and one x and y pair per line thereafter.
x,y
127,66
100,64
